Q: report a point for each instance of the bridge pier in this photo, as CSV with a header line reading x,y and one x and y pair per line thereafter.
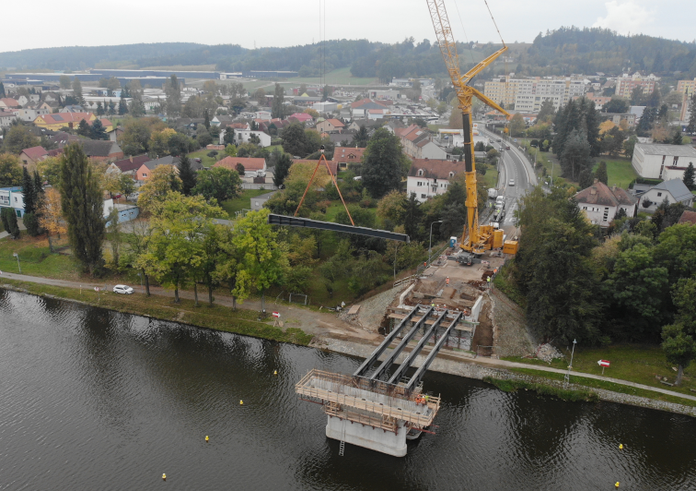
x,y
366,436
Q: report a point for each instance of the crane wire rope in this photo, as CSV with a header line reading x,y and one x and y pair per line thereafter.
x,y
471,53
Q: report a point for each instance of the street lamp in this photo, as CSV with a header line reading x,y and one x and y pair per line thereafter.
x,y
18,265
430,247
570,367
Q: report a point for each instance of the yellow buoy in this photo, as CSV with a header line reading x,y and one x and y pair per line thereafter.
x,y
620,446
275,372
164,477
206,438
616,485
241,403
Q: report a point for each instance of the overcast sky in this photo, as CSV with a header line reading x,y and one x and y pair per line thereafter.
x,y
293,22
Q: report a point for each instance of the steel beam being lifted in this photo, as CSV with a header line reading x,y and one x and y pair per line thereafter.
x,y
416,378
362,369
406,364
389,361
335,227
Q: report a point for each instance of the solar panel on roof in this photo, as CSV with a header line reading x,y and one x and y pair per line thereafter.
x,y
57,118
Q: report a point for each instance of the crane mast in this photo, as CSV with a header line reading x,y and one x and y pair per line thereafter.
x,y
476,239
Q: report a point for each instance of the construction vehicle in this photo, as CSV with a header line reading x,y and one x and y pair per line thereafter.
x,y
476,238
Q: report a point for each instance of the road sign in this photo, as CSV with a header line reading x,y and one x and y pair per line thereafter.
x,y
604,363
276,314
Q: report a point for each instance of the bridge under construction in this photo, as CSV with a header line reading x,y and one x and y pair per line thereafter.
x,y
379,407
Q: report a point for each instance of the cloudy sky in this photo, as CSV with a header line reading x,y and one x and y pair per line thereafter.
x,y
287,23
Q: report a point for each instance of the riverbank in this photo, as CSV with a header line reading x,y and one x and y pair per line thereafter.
x,y
248,323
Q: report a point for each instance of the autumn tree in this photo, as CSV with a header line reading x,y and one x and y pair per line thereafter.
x,y
162,180
51,216
172,89
679,338
218,183
18,138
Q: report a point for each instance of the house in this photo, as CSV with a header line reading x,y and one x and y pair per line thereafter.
x,y
666,162
330,126
30,114
12,197
8,103
250,164
61,120
428,178
301,118
258,202
31,156
6,118
128,166
674,191
344,156
600,203
687,218
101,150
145,170
243,136
114,133
263,115
74,108
417,143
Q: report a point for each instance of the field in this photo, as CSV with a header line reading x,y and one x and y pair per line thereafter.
x,y
205,160
35,259
340,76
242,202
619,171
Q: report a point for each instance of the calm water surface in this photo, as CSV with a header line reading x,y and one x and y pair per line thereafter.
x,y
97,400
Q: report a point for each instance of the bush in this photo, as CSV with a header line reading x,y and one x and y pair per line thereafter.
x,y
31,222
212,153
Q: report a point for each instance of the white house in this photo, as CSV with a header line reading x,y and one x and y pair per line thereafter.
x,y
263,115
674,191
600,203
428,178
657,161
12,197
242,136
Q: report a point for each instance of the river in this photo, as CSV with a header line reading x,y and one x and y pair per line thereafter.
x,y
94,399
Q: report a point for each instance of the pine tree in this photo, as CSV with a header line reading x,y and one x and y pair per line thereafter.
x,y
123,105
689,177
677,137
2,90
187,175
82,204
278,108
97,131
206,120
601,172
28,192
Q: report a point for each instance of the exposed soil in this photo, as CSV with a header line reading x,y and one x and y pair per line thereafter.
x,y
511,337
483,337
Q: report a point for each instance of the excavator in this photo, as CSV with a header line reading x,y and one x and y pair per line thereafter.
x,y
476,238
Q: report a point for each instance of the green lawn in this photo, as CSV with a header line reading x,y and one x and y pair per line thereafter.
x,y
35,259
619,171
340,76
636,363
205,160
244,201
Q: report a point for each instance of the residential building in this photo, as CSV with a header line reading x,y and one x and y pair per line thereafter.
x,y
6,118
243,136
428,178
144,172
627,84
417,143
31,156
57,121
658,161
128,166
344,156
300,117
30,114
687,218
101,150
687,88
674,191
600,203
359,109
528,94
9,103
250,164
12,197
330,126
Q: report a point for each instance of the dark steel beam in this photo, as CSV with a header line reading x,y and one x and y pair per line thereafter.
x,y
335,227
416,378
389,361
401,371
362,369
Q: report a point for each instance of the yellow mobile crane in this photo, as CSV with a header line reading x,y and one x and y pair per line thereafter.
x,y
476,238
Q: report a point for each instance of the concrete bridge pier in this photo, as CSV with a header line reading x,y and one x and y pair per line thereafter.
x,y
366,436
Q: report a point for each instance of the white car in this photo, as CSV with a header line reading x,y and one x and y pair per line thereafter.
x,y
123,289
511,183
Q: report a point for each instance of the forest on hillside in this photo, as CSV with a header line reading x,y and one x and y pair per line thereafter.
x,y
560,52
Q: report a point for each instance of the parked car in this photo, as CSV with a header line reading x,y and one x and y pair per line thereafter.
x,y
511,183
123,289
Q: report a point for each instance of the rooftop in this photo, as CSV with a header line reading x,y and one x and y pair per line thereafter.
x,y
662,149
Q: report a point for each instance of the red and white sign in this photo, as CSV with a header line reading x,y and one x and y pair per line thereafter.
x,y
604,363
276,314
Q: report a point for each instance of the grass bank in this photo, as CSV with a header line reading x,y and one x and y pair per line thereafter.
x,y
218,317
572,395
620,172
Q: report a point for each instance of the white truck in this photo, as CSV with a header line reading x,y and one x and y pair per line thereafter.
x,y
492,193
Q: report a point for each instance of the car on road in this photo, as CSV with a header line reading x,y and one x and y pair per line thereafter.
x,y
123,289
511,182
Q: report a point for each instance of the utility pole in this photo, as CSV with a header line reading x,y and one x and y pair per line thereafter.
x,y
566,378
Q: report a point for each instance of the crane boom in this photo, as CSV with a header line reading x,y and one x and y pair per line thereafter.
x,y
475,239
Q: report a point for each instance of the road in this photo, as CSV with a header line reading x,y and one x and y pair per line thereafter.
x,y
514,166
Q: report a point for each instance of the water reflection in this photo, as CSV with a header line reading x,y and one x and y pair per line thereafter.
x,y
94,399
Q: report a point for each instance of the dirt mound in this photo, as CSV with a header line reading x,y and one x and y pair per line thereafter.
x,y
511,336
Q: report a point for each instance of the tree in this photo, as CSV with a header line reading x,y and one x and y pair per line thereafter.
x,y
282,165
187,175
203,136
691,127
18,138
601,172
159,142
576,155
9,221
137,105
10,170
2,90
239,168
31,203
82,204
135,139
392,207
295,140
690,177
263,260
173,93
361,138
162,181
113,234
517,125
385,164
126,185
77,90
679,338
64,82
677,137
228,137
84,129
97,131
546,111
616,105
218,183
123,104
